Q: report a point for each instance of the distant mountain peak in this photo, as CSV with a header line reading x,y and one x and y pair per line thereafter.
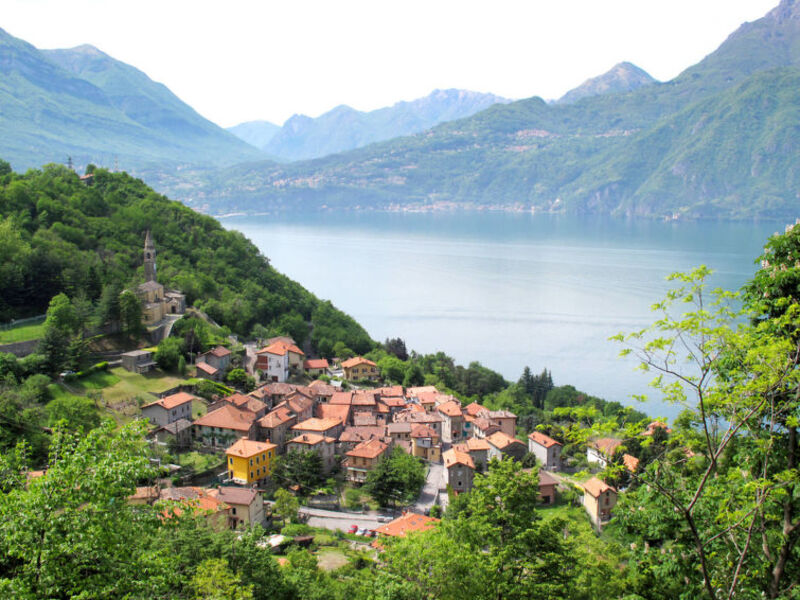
x,y
622,77
786,10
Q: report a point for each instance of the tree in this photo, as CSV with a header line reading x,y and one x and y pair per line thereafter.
x,y
397,347
303,469
75,412
286,505
215,581
721,493
130,312
169,353
238,378
70,532
397,477
61,314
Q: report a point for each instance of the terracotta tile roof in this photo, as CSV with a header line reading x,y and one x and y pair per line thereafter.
x,y
542,439
417,416
280,415
607,446
631,462
252,404
299,403
315,363
500,440
420,430
357,360
656,425
332,411
476,444
206,368
360,434
172,401
196,497
247,448
546,479
500,414
399,428
364,398
312,439
219,352
234,495
364,419
315,424
321,388
368,449
485,425
228,417
473,409
342,398
427,397
595,487
393,401
176,426
452,408
414,392
391,390
454,457
406,524
278,389
281,348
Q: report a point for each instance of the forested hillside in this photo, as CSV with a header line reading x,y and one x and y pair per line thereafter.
x,y
60,235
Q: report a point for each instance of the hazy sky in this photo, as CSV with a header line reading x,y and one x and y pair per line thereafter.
x,y
243,60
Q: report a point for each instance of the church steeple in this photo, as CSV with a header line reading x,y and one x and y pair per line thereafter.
x,y
149,258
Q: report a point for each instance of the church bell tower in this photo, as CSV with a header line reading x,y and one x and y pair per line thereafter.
x,y
149,258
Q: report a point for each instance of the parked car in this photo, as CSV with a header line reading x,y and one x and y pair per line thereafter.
x,y
362,531
383,519
353,529
372,533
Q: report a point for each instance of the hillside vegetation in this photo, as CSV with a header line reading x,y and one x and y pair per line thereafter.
x,y
60,235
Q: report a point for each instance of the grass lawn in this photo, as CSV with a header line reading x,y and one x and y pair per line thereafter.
x,y
28,331
130,385
198,462
95,381
330,559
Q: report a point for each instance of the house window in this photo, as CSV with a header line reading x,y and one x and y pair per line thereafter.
x,y
230,461
251,475
230,474
459,484
269,454
251,462
233,510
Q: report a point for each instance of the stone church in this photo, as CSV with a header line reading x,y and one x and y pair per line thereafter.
x,y
157,302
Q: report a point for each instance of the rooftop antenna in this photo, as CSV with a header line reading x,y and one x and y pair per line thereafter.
x,y
116,165
69,163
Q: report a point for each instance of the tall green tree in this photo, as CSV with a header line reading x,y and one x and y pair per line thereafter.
x,y
398,477
130,312
720,498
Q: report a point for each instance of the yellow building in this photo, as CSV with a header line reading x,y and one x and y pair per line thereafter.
x,y
360,368
249,461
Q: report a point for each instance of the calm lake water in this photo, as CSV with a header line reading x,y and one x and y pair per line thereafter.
x,y
508,290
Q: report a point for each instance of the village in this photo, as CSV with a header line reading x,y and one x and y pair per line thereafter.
x,y
343,412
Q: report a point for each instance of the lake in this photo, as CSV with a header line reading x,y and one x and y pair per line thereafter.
x,y
506,289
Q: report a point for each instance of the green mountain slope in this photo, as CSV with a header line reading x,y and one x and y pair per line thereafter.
x,y
60,235
623,77
716,141
85,104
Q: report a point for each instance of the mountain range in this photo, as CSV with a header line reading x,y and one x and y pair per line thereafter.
x,y
721,140
345,128
85,104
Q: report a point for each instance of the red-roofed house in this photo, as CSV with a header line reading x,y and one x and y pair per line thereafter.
x,y
219,358
408,523
276,359
333,411
316,366
363,458
246,505
426,442
602,450
478,449
169,409
452,421
546,450
314,442
460,470
224,426
501,445
599,499
331,427
275,424
360,368
249,461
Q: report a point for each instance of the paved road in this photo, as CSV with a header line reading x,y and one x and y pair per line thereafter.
x,y
331,519
430,490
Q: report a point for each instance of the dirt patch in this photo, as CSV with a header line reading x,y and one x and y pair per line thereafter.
x,y
330,559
